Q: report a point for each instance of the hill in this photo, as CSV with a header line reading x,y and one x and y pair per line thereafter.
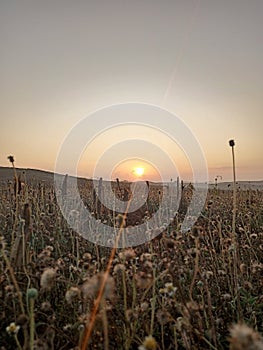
x,y
36,176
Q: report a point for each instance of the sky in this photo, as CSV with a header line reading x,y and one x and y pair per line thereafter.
x,y
201,61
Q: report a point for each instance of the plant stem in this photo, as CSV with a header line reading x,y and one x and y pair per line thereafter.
x,y
153,303
234,194
88,330
12,275
17,343
32,323
105,324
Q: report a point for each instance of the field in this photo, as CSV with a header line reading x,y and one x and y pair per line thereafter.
x,y
198,290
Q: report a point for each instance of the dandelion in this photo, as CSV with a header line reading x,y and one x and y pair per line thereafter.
x,y
48,278
148,344
243,337
118,268
72,294
90,287
127,254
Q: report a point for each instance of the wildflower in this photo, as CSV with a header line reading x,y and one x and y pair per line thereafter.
x,y
73,293
161,291
48,278
169,289
118,268
144,306
243,337
12,329
143,280
87,257
127,254
90,287
148,344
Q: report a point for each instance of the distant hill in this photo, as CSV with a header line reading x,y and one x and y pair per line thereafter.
x,y
37,176
32,175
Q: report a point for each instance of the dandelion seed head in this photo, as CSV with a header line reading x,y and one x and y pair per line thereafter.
x,y
48,278
148,344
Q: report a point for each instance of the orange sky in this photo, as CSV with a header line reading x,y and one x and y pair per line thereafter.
x,y
200,60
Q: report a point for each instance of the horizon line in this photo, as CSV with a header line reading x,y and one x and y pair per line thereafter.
x,y
209,182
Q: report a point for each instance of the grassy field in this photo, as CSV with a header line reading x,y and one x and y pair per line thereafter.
x,y
200,290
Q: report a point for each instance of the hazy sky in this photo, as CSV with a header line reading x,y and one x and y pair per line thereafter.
x,y
201,60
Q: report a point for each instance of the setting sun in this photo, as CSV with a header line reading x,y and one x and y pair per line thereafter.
x,y
139,171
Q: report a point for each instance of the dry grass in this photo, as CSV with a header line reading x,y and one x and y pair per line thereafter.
x,y
174,292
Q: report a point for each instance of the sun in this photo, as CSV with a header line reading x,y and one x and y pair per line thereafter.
x,y
139,171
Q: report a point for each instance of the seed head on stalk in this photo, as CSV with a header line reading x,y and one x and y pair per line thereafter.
x,y
232,144
11,159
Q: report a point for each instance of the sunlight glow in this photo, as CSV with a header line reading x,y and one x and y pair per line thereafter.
x,y
139,171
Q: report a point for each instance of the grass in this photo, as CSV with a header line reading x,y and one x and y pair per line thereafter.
x,y
178,291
